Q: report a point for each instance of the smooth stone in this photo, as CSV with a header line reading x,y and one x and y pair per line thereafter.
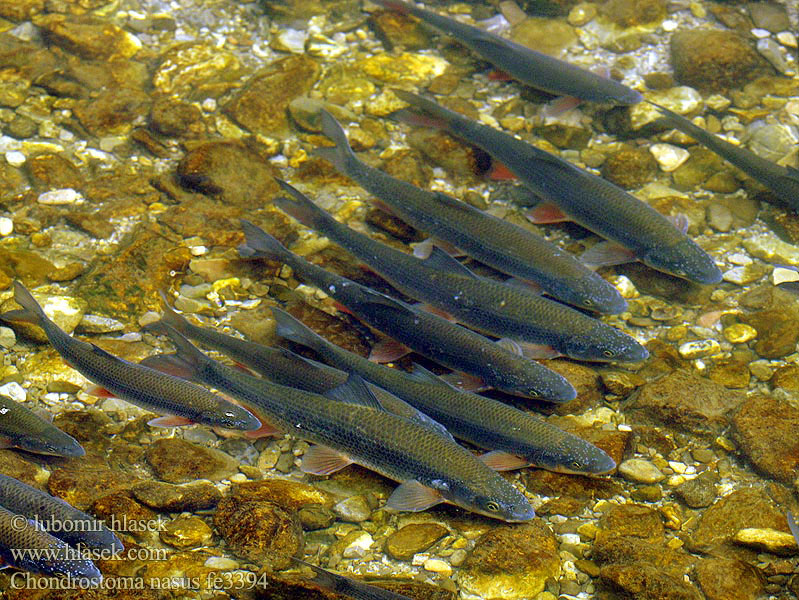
x,y
641,471
354,509
413,538
767,540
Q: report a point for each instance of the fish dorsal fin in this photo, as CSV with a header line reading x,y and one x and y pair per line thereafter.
x,y
413,496
422,375
354,391
395,405
442,261
451,202
100,352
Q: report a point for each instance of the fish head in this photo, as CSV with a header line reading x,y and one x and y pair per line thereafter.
x,y
594,294
684,259
235,417
499,501
604,343
52,445
577,457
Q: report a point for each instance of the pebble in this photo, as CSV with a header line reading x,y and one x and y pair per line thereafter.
x,y
641,471
14,391
358,544
739,333
766,540
669,157
787,38
221,563
438,566
699,348
413,538
59,197
15,158
719,217
354,509
744,275
770,248
7,337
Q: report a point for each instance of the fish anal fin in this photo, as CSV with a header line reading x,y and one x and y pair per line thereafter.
x,y
545,213
606,254
169,421
388,350
99,391
442,261
321,460
265,430
412,496
561,105
434,310
465,382
531,287
499,460
499,75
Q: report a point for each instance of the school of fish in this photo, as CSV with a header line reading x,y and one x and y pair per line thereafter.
x,y
402,424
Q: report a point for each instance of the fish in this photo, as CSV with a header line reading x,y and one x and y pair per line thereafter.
x,y
793,525
518,439
349,425
181,401
347,585
428,334
491,240
783,181
57,516
25,545
528,66
21,428
587,199
486,305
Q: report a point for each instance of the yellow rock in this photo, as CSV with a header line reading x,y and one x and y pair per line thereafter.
x,y
408,68
739,333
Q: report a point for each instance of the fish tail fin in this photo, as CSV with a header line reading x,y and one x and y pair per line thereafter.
x,y
395,5
424,112
300,206
321,577
31,311
172,318
260,244
292,329
185,362
342,153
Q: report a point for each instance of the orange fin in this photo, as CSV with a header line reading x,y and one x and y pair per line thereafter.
x,y
464,381
544,213
413,496
499,172
497,75
605,254
265,430
169,421
500,460
321,460
99,391
388,350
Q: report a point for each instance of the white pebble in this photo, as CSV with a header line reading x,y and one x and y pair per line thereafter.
x,y
209,105
640,470
438,566
787,38
63,196
149,317
6,226
238,478
15,158
221,563
359,546
14,391
761,33
669,157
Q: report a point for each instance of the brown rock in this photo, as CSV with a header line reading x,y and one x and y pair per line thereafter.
x,y
259,531
631,520
565,506
777,331
88,37
81,483
124,515
748,507
584,379
175,119
13,465
547,483
113,111
645,582
20,10
167,497
262,105
287,494
684,402
630,13
177,461
413,538
230,170
725,579
445,151
517,558
630,167
710,59
786,377
53,171
396,29
608,550
765,430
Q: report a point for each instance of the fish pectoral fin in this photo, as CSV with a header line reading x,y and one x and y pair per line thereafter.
x,y
422,375
537,351
434,310
500,460
321,460
99,391
412,496
442,261
265,430
545,213
388,350
525,285
605,254
6,443
560,105
424,248
169,421
354,391
465,382
680,221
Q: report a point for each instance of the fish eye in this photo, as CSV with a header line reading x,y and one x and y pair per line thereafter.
x,y
588,302
607,353
492,506
575,464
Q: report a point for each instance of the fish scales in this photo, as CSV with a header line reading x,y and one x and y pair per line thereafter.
x,y
482,421
24,499
486,305
491,240
49,555
135,383
393,446
21,428
588,199
349,586
428,334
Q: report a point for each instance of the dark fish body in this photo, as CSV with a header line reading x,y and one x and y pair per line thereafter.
x,y
486,305
482,421
783,181
61,519
491,240
396,447
21,428
137,384
428,334
535,69
48,555
349,586
587,199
